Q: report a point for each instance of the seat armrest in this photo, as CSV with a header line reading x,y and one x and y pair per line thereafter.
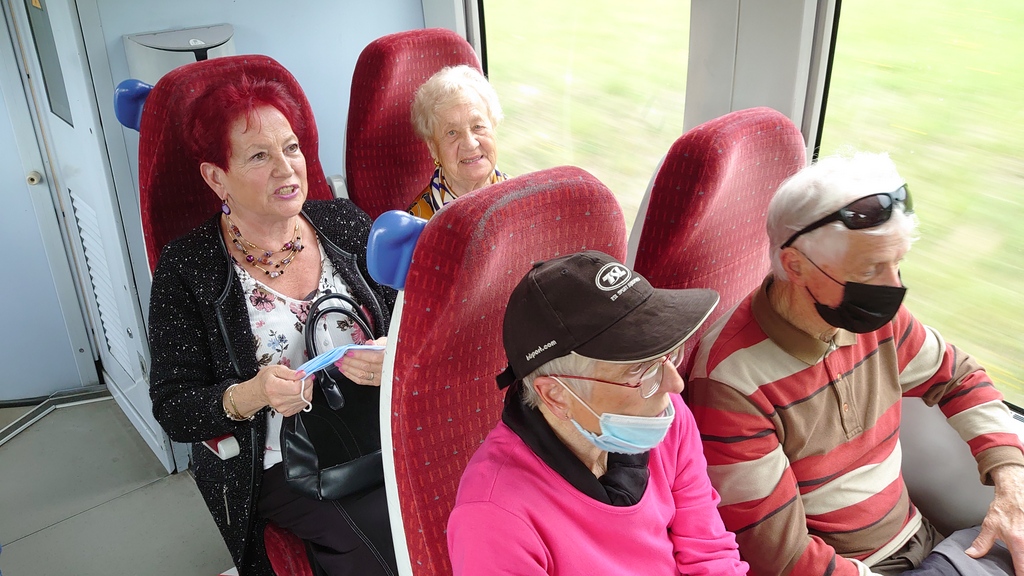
x,y
225,447
940,473
337,184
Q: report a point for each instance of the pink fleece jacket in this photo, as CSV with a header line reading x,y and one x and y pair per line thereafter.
x,y
514,515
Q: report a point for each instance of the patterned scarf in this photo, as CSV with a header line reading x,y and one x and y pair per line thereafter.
x,y
439,193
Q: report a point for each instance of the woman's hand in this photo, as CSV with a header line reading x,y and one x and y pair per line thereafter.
x,y
284,390
364,366
276,386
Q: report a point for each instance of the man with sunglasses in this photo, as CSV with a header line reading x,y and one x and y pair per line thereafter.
x,y
797,392
596,465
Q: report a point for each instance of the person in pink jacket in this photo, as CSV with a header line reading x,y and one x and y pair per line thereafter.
x,y
596,466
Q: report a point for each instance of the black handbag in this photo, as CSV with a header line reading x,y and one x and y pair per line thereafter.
x,y
333,450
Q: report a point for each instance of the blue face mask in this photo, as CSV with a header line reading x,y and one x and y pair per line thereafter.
x,y
323,360
624,434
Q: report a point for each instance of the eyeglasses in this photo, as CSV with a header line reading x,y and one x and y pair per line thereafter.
x,y
866,212
650,378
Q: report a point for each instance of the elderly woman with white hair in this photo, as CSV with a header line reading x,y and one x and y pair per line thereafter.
x,y
456,112
797,393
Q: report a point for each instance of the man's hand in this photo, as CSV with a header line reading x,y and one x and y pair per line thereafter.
x,y
1005,517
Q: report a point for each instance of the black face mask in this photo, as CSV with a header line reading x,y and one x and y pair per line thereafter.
x,y
864,308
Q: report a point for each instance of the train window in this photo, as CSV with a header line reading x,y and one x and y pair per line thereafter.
x,y
46,50
597,84
936,83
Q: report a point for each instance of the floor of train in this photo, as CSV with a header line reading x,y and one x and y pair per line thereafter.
x,y
81,494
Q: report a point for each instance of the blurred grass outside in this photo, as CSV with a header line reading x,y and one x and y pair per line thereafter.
x,y
597,84
600,85
939,86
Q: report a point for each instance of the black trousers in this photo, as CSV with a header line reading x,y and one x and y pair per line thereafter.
x,y
351,536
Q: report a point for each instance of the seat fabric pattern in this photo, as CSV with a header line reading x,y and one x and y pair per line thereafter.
x,y
172,194
286,551
386,164
705,222
469,257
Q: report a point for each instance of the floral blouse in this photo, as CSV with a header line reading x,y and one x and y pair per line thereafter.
x,y
277,324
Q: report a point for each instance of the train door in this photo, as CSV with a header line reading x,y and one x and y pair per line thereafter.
x,y
46,338
48,37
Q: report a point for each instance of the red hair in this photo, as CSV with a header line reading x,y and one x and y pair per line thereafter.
x,y
209,118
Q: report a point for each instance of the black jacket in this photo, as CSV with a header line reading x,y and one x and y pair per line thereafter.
x,y
202,342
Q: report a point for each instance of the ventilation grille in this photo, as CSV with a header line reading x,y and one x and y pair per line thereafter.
x,y
99,274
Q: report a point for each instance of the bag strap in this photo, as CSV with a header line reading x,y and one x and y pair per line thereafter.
x,y
299,459
331,389
317,310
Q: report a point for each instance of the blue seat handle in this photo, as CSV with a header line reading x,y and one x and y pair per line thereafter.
x,y
129,97
390,246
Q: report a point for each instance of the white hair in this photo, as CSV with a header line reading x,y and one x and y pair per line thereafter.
x,y
822,188
571,363
449,86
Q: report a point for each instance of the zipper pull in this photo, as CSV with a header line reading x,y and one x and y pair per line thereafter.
x,y
227,511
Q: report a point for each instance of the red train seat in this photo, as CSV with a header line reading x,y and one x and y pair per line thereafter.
x,y
386,164
702,222
444,345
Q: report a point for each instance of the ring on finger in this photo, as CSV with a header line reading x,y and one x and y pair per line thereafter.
x,y
371,376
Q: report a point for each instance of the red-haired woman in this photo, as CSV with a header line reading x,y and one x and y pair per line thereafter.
x,y
229,303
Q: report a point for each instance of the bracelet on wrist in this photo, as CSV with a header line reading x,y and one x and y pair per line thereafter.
x,y
232,412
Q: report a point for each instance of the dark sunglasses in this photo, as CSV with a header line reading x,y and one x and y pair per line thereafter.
x,y
866,212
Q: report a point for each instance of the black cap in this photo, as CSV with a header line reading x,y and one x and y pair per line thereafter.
x,y
591,304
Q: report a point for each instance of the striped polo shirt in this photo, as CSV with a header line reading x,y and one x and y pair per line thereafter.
x,y
802,436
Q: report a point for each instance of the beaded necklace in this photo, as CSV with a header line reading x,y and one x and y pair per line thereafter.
x,y
293,247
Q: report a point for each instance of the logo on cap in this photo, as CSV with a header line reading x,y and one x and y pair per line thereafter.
x,y
611,276
532,355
